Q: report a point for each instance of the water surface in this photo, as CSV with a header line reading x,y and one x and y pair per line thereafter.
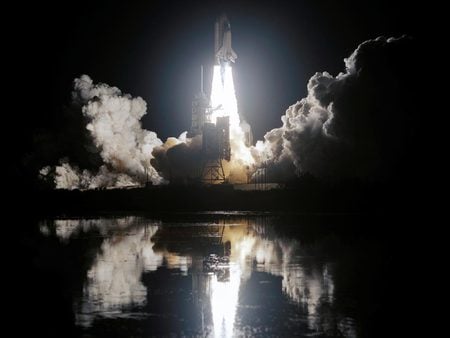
x,y
273,275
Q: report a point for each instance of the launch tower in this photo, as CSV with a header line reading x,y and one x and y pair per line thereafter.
x,y
215,131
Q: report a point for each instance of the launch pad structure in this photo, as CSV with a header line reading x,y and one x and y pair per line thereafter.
x,y
215,149
215,133
215,138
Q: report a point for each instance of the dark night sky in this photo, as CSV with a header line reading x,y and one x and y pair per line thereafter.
x,y
154,49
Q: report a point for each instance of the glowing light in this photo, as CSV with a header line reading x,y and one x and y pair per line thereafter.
x,y
305,286
223,97
114,284
224,299
224,103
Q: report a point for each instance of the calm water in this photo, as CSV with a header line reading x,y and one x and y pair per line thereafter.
x,y
271,276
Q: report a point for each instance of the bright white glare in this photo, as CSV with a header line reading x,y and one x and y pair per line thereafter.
x,y
223,97
114,281
224,300
307,287
224,103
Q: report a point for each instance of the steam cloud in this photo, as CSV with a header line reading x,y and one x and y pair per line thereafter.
x,y
359,123
178,159
112,120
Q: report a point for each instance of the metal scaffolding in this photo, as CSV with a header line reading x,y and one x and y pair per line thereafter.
x,y
215,149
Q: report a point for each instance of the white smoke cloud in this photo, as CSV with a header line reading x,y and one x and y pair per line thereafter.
x,y
120,153
179,159
113,123
349,125
360,123
303,133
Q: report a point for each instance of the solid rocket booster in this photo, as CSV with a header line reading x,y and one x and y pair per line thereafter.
x,y
222,41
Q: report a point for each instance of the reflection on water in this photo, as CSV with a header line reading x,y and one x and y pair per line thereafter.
x,y
224,300
114,280
269,285
307,286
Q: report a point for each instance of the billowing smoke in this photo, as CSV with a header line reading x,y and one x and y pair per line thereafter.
x,y
178,159
117,152
360,123
114,132
129,155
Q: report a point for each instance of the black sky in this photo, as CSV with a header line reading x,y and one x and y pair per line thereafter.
x,y
154,49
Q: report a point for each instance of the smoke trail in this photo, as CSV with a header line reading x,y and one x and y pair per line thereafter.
x,y
360,123
112,120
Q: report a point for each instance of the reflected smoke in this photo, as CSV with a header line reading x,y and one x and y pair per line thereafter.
x,y
309,287
65,229
114,288
114,280
113,284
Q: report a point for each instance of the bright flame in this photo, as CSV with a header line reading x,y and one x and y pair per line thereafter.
x,y
224,103
223,97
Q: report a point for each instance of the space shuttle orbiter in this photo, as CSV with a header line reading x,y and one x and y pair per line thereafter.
x,y
222,41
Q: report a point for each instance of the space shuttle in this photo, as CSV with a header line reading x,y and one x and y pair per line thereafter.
x,y
222,41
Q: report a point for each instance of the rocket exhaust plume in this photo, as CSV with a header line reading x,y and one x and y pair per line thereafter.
x,y
360,123
224,103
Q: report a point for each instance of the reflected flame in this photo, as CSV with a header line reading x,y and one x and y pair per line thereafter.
x,y
224,300
114,281
277,257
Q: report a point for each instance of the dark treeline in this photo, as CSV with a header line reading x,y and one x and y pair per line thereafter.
x,y
305,195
